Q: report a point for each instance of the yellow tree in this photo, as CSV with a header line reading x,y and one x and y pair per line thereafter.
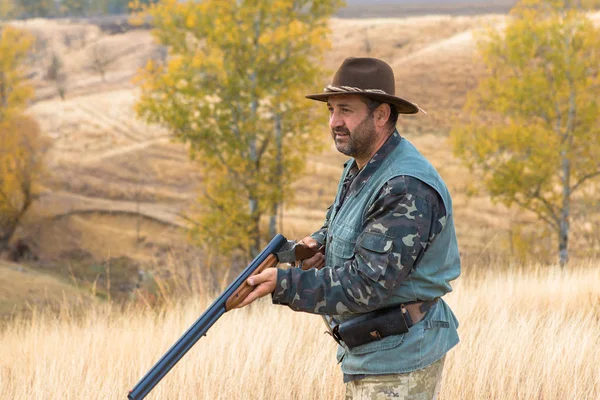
x,y
533,135
233,90
21,164
21,145
14,89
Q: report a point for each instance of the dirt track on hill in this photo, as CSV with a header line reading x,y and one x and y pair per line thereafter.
x,y
64,204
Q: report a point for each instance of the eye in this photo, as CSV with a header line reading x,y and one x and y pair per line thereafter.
x,y
346,110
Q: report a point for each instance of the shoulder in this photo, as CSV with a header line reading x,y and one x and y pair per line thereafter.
x,y
403,185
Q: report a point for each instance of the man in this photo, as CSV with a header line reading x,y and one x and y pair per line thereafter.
x,y
390,247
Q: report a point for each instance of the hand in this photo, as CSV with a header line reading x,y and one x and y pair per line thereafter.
x,y
264,283
318,260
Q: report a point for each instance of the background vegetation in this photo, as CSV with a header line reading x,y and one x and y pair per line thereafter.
x,y
24,9
101,249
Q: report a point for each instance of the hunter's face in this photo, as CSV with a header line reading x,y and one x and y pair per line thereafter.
x,y
351,124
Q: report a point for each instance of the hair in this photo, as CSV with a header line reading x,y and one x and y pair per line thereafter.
x,y
372,104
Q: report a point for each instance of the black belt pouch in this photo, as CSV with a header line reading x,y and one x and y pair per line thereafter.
x,y
372,326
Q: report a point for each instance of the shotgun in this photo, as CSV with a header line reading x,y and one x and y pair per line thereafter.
x,y
278,250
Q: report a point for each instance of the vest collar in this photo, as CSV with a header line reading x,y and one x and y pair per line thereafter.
x,y
374,163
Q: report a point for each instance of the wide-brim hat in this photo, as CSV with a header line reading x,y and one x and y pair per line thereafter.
x,y
369,77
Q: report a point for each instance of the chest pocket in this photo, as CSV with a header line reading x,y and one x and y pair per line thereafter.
x,y
343,242
373,253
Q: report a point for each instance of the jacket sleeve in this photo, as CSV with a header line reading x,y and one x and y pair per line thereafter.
x,y
399,227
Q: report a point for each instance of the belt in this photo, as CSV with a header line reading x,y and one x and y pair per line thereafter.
x,y
381,323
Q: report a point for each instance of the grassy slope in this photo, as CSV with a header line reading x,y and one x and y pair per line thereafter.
x,y
23,288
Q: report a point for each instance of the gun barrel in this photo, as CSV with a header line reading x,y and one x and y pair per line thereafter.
x,y
201,326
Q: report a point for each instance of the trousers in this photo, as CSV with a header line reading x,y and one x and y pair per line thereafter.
x,y
422,384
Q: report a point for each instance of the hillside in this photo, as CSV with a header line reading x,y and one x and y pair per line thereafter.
x,y
412,8
117,188
24,288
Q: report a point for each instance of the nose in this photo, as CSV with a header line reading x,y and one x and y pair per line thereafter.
x,y
335,120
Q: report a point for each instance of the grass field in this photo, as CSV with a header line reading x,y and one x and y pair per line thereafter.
x,y
526,334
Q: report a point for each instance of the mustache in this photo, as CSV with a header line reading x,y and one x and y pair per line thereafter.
x,y
341,130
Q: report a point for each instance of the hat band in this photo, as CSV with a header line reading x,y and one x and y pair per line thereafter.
x,y
351,89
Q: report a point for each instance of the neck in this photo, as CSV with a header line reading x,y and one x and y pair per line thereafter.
x,y
361,161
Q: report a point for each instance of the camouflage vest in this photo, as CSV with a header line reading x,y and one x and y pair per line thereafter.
x,y
430,339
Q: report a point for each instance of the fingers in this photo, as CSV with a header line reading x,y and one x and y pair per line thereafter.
x,y
264,283
259,278
254,295
321,263
316,261
310,242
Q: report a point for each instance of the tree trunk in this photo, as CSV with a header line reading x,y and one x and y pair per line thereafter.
x,y
278,175
563,241
254,229
8,234
4,245
3,92
273,221
563,235
254,233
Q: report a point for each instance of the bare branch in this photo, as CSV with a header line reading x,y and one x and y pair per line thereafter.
x,y
551,211
583,179
188,219
550,220
263,147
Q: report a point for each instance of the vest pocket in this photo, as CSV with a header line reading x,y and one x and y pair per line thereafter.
x,y
373,253
342,247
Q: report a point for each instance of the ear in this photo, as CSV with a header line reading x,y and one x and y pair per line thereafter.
x,y
381,115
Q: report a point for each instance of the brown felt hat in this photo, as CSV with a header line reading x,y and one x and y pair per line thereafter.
x,y
369,77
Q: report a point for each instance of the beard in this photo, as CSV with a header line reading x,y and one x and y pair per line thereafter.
x,y
355,143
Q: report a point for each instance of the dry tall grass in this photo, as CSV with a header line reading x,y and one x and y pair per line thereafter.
x,y
526,334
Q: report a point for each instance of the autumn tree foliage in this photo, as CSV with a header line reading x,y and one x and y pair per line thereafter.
x,y
533,134
21,144
21,164
14,89
233,90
